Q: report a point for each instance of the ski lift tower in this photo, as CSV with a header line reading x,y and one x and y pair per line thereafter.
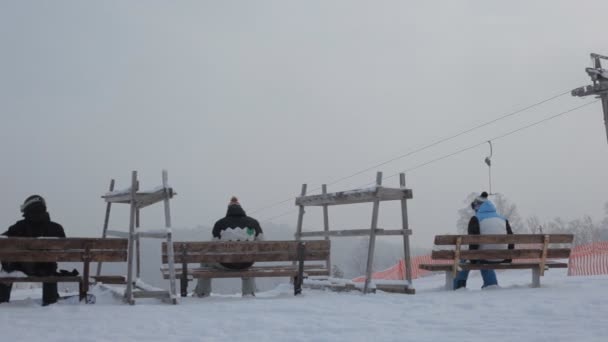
x,y
599,88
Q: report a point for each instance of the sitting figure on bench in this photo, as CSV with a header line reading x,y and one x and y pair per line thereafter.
x,y
36,223
236,226
485,221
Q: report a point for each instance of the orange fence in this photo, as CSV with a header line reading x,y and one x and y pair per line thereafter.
x,y
591,259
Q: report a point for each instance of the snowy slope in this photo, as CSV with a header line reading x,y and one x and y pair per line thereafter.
x,y
564,309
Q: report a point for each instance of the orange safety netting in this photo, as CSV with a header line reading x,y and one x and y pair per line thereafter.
x,y
591,259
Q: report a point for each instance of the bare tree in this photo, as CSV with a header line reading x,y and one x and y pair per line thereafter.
x,y
533,225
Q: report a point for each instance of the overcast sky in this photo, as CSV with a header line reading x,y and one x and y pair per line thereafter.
x,y
254,98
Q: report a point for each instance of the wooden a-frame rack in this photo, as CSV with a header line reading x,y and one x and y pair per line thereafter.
x,y
137,200
375,195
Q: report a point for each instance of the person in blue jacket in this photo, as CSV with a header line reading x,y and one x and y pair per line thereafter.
x,y
486,221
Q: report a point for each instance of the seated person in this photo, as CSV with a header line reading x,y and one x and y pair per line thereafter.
x,y
485,221
36,223
236,226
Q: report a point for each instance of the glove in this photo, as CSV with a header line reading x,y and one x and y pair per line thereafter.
x,y
64,273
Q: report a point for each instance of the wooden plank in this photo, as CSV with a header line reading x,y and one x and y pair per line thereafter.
x,y
118,233
158,294
503,239
244,246
357,232
62,279
165,269
62,256
110,279
143,198
487,254
133,208
152,234
468,266
227,257
406,239
325,224
106,222
543,258
355,196
23,243
456,260
169,237
282,272
372,236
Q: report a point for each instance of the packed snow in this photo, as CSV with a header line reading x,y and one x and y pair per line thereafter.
x,y
563,309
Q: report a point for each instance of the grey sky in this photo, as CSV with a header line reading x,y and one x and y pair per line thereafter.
x,y
253,98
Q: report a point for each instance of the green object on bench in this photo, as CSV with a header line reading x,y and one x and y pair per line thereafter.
x,y
260,252
85,250
532,251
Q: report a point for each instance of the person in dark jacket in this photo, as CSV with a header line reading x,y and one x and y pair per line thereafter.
x,y
36,223
486,221
236,226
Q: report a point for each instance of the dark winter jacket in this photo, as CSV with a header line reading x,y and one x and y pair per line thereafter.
x,y
43,227
485,222
237,226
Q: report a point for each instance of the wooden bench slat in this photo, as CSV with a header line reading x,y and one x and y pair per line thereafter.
x,y
244,246
16,243
40,279
553,253
178,270
515,265
228,257
61,256
110,279
503,239
287,271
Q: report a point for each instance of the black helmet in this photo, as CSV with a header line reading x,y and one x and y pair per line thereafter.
x,y
33,201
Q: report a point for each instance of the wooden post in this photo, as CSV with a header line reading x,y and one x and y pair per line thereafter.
x,y
300,219
543,259
326,228
456,256
536,277
106,222
297,286
449,280
372,238
129,289
406,237
137,247
85,272
300,215
183,285
170,255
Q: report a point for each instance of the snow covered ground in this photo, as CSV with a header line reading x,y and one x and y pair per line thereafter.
x,y
564,309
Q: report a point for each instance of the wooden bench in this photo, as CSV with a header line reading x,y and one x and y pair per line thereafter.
x,y
85,250
260,252
532,251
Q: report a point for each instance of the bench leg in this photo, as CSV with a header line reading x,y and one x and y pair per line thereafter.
x,y
81,290
183,285
84,283
449,280
183,281
297,284
536,277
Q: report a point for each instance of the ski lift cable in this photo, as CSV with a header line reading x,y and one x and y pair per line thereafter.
x,y
496,138
420,149
459,151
